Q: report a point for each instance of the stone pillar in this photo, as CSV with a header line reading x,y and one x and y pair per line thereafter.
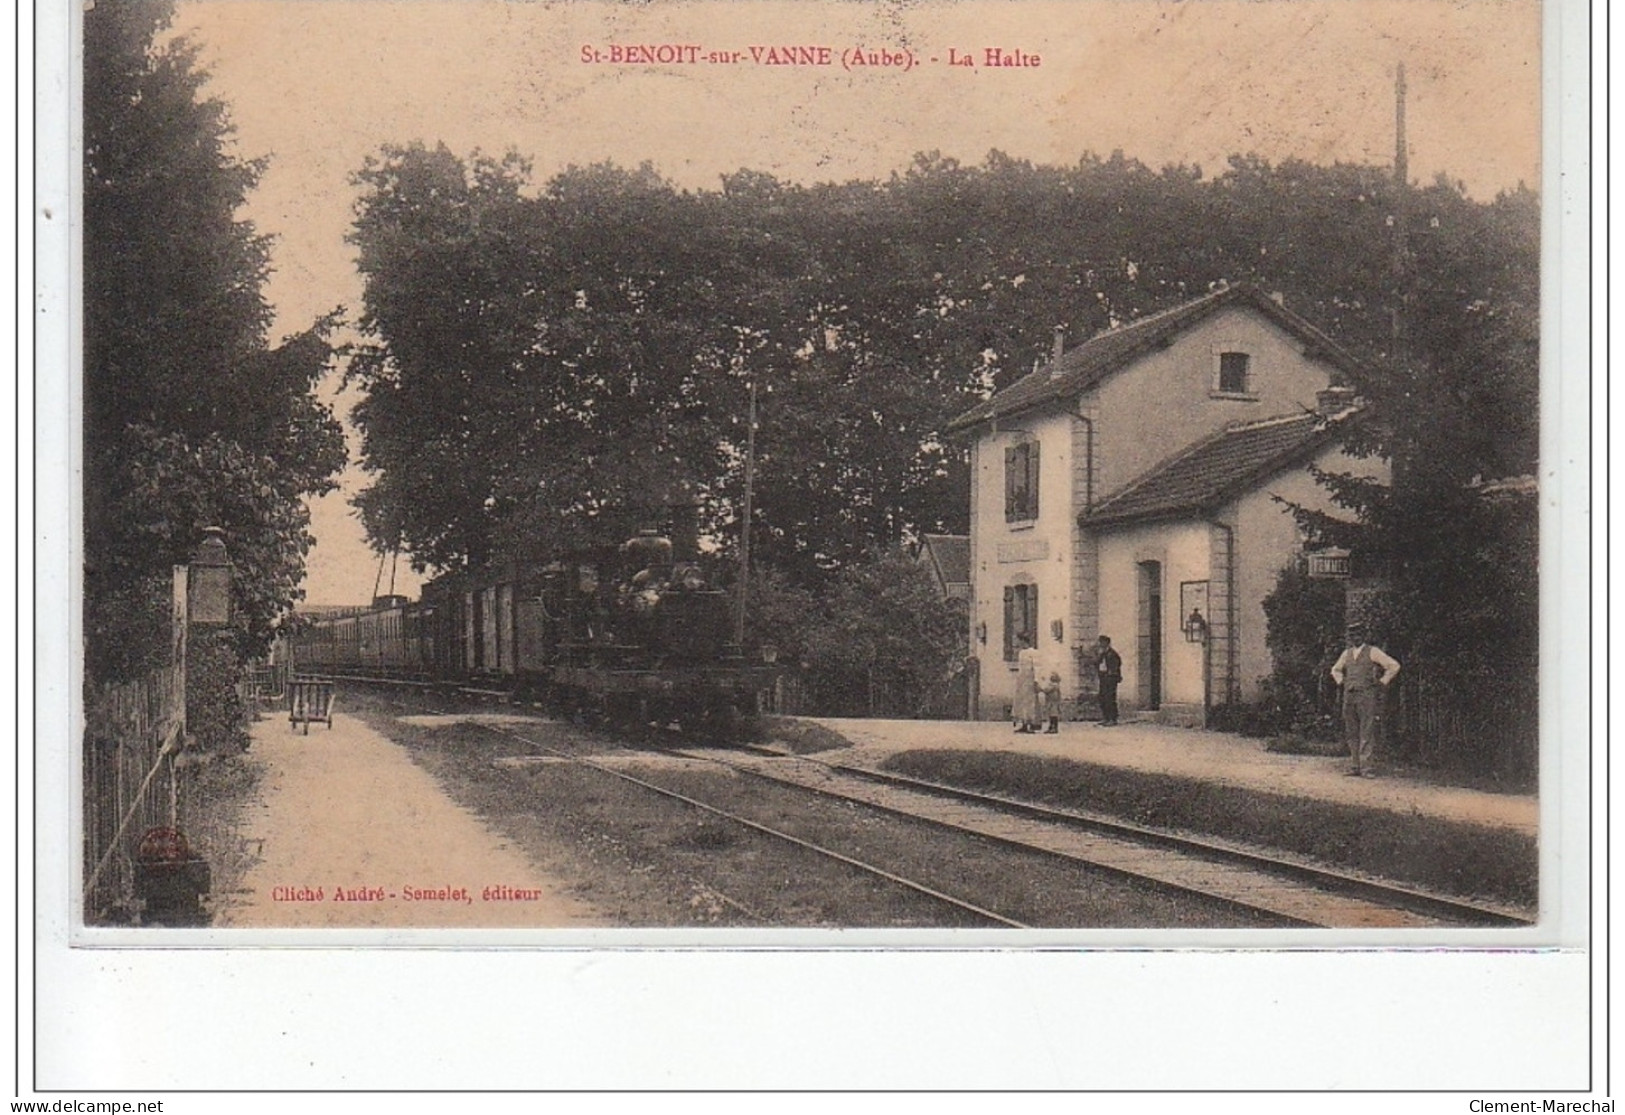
x,y
1222,634
1085,567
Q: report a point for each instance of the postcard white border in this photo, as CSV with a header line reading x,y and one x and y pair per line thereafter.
x,y
1110,1014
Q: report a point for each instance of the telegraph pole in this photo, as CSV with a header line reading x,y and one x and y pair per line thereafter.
x,y
744,534
1401,158
1400,462
1401,245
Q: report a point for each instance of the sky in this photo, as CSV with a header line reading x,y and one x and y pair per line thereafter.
x,y
316,86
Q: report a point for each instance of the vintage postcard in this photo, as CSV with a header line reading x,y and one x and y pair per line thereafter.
x,y
996,473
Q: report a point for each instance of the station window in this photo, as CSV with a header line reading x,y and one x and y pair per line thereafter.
x,y
1021,482
1020,618
1233,373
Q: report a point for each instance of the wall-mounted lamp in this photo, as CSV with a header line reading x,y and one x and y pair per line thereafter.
x,y
1057,630
208,598
1195,627
981,633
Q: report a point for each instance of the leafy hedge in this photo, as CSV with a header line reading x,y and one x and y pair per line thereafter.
x,y
216,715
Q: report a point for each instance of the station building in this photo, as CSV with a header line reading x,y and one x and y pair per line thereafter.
x,y
1137,486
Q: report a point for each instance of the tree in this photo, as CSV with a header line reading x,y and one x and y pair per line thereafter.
x,y
442,255
887,641
191,418
535,360
534,363
1454,403
1305,622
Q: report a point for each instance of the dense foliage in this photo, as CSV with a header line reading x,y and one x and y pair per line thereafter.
x,y
1306,620
1453,576
536,356
880,641
191,417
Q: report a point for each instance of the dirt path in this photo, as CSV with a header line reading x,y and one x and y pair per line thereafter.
x,y
350,833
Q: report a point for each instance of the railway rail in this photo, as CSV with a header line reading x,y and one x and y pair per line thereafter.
x,y
960,905
1293,891
1283,891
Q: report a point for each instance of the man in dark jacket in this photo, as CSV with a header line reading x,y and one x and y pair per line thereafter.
x,y
1108,672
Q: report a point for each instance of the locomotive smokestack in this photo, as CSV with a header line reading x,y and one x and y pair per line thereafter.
x,y
685,531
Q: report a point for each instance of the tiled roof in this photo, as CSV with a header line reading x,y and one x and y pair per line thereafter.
x,y
1113,349
1212,472
952,554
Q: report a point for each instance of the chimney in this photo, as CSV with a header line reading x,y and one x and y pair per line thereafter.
x,y
1060,342
685,529
1334,400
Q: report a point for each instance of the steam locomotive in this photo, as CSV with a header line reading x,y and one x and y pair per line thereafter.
x,y
634,634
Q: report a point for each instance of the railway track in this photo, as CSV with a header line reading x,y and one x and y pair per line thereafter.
x,y
1294,892
1281,891
960,905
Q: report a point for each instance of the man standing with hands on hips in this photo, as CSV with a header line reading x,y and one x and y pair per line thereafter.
x,y
1365,673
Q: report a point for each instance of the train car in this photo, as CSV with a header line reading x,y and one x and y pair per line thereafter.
x,y
634,633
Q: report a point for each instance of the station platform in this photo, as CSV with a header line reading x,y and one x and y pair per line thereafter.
x,y
348,832
1199,754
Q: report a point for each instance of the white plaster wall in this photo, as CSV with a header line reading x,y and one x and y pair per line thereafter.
x,y
1143,415
1182,548
1163,402
1051,573
1266,540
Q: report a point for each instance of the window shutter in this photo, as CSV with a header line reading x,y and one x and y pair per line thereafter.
x,y
1030,620
1012,510
1032,482
1011,618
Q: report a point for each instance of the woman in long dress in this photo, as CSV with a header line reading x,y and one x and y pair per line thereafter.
x,y
1024,702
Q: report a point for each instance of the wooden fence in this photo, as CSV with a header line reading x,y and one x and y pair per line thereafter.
x,y
1486,722
132,732
797,695
265,685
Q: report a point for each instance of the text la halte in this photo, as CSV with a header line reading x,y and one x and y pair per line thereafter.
x,y
995,58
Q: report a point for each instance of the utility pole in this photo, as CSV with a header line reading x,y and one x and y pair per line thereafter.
x,y
1400,274
1400,463
744,533
1401,245
1401,159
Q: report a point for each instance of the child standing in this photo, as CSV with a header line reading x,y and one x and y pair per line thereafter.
x,y
1052,703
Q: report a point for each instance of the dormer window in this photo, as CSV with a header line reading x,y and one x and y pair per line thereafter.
x,y
1233,373
1021,482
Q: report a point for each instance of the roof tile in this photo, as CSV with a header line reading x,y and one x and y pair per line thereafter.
x,y
952,553
1106,352
1213,471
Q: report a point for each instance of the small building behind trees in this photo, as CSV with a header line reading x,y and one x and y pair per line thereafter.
x,y
947,558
